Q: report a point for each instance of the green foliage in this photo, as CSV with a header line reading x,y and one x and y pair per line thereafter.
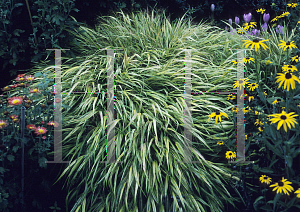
x,y
50,19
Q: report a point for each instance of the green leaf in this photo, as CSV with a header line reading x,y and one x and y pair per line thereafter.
x,y
277,197
289,161
265,170
10,157
256,202
273,162
266,208
15,148
42,162
2,170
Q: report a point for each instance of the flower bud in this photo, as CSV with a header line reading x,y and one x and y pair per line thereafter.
x,y
212,7
43,106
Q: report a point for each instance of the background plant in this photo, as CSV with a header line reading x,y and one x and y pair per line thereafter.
x,y
35,146
50,19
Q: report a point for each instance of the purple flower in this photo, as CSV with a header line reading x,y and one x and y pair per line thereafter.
x,y
266,17
281,29
212,7
230,21
226,28
247,17
255,31
237,20
265,26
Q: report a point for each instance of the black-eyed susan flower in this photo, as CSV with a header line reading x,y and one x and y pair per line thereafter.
x,y
283,185
265,179
285,45
288,68
218,116
298,193
288,79
256,43
241,83
284,119
252,86
230,155
276,101
248,59
220,143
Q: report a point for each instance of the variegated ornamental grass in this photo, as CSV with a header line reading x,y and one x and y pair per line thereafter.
x,y
149,103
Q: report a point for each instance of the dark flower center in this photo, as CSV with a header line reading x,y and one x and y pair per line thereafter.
x,y
230,153
278,100
256,41
288,43
290,66
283,117
265,178
217,113
241,81
280,183
288,76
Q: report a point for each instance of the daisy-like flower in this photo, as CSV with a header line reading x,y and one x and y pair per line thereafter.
x,y
283,185
298,193
218,116
15,100
51,123
288,44
284,119
265,179
230,155
220,143
252,86
288,79
13,116
40,130
256,43
35,90
241,83
31,126
29,78
3,124
288,68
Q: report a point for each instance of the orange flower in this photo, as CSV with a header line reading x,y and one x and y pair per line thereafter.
x,y
3,124
31,126
40,130
21,75
15,100
51,123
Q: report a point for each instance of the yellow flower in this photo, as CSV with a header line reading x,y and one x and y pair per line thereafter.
x,y
282,185
218,116
220,143
241,83
288,79
265,179
287,45
252,86
230,155
298,193
284,119
256,43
